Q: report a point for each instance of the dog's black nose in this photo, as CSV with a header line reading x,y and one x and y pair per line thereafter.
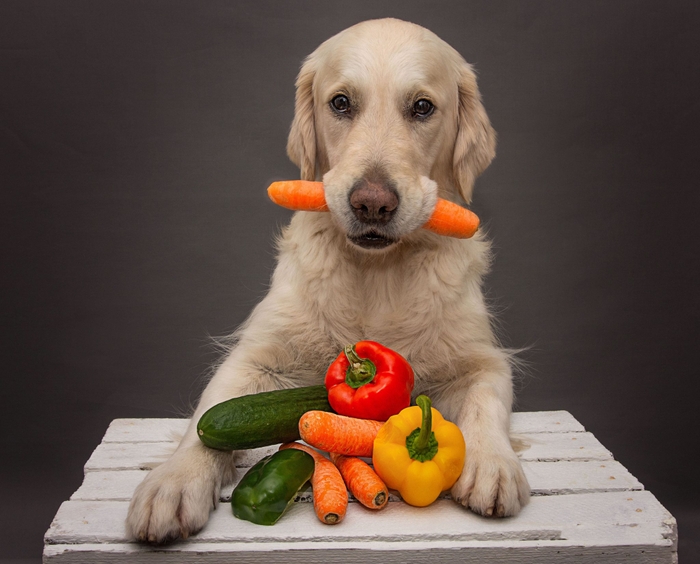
x,y
373,201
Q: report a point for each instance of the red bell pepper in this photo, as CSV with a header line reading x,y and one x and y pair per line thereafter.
x,y
369,381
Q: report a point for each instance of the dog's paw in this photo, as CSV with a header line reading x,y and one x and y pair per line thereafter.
x,y
492,484
174,500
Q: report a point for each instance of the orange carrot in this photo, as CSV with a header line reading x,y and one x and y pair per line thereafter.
x,y
448,219
302,195
337,433
362,481
452,220
330,493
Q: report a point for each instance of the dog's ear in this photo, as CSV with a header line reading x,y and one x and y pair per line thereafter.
x,y
475,145
301,144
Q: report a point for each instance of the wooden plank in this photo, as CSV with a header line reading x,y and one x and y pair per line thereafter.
x,y
524,422
415,552
146,456
169,430
567,477
145,430
615,518
128,456
545,478
103,521
552,447
542,447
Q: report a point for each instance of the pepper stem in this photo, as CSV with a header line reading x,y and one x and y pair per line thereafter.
x,y
425,404
361,370
421,443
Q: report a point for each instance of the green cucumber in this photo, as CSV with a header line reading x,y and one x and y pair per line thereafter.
x,y
258,420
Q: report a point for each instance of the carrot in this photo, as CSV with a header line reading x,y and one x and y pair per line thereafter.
x,y
448,219
337,433
362,481
302,195
330,493
452,220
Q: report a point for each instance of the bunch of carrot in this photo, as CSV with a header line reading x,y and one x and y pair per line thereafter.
x,y
346,439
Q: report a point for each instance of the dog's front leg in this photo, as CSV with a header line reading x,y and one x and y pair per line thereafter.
x,y
175,498
493,482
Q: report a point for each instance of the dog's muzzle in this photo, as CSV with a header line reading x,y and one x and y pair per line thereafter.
x,y
373,202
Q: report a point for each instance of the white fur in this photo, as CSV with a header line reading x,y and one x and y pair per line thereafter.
x,y
420,296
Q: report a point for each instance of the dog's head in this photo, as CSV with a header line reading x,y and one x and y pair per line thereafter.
x,y
388,115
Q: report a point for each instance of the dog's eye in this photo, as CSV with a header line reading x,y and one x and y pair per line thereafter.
x,y
423,108
340,104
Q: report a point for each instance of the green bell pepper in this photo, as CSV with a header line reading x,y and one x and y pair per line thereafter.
x,y
268,488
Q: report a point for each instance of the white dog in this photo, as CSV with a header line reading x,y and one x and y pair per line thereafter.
x,y
389,117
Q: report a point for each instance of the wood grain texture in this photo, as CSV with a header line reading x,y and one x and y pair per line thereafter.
x,y
545,479
145,455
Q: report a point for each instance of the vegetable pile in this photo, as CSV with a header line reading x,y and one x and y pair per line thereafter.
x,y
362,412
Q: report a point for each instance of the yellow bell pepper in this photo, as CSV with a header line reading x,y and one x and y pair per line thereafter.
x,y
419,453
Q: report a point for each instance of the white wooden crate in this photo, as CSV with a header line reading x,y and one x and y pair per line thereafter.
x,y
586,508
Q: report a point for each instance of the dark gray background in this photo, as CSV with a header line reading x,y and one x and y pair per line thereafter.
x,y
136,142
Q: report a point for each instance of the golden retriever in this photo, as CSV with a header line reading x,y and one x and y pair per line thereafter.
x,y
389,117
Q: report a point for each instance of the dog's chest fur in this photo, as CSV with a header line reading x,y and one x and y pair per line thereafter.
x,y
422,299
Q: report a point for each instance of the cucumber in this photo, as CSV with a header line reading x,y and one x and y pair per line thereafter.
x,y
258,420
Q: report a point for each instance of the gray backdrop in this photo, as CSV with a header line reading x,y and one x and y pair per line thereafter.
x,y
136,142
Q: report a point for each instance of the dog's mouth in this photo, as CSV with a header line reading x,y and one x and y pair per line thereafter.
x,y
371,240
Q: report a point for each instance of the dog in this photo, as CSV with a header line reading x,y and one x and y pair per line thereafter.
x,y
390,118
